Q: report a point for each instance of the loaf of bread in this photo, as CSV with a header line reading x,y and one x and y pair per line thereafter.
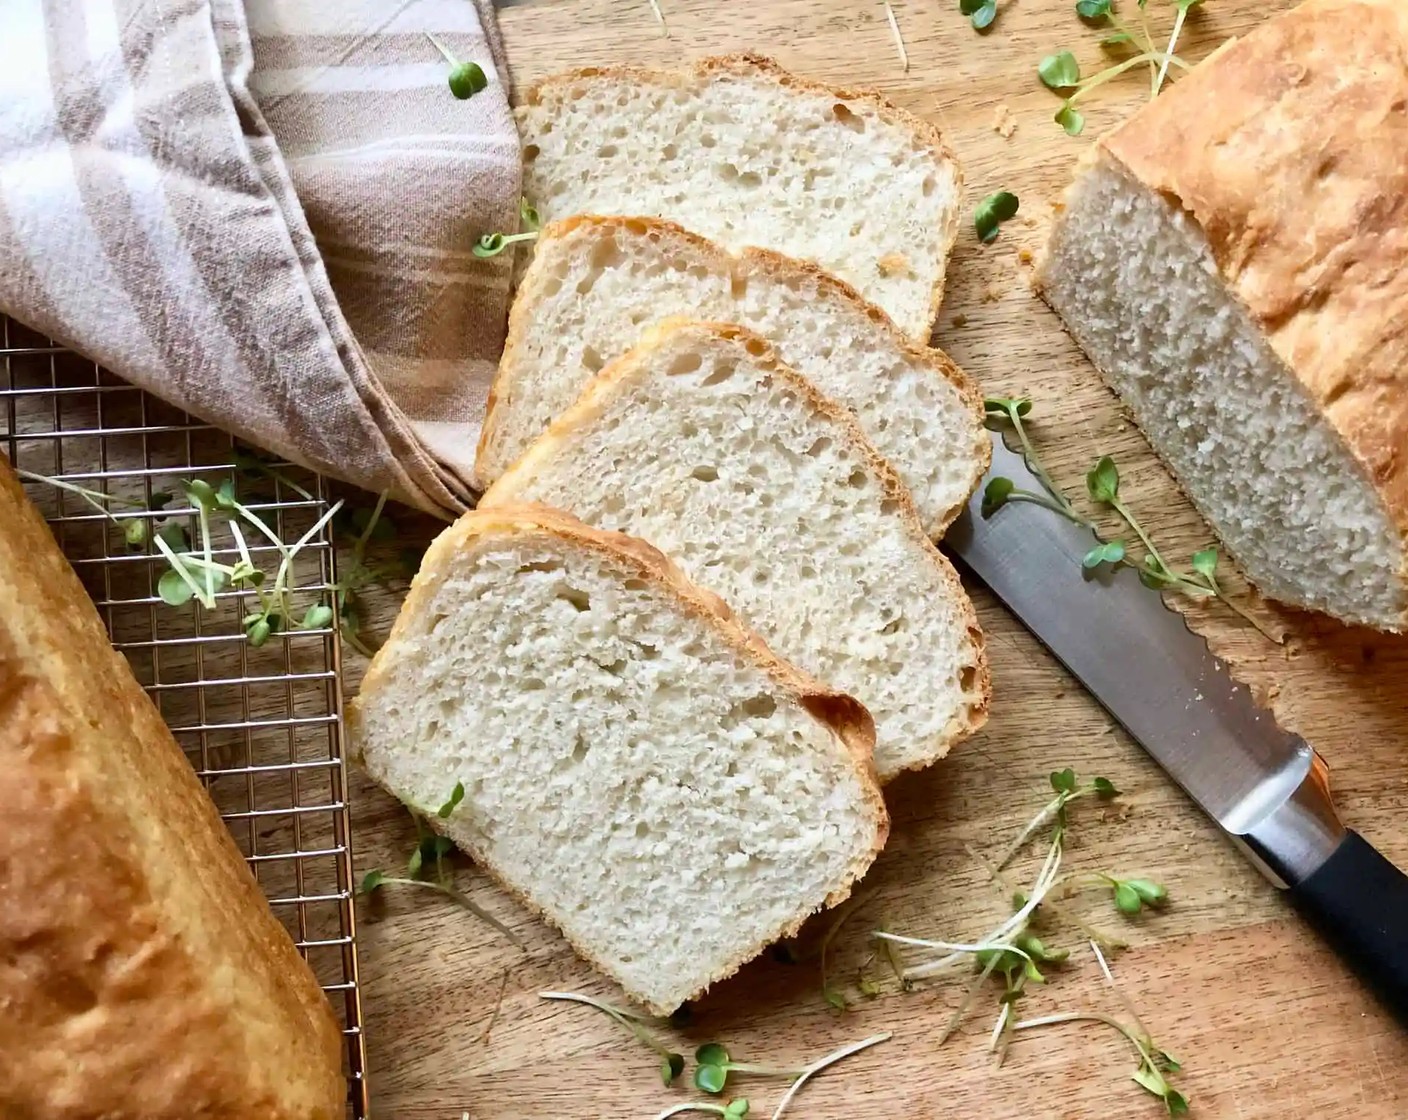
x,y
1234,259
743,152
596,283
142,975
636,765
701,442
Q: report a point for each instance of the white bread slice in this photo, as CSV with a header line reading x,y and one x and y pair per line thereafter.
x,y
596,283
1234,260
741,151
701,442
636,765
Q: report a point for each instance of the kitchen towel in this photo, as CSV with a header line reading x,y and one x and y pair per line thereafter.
x,y
263,212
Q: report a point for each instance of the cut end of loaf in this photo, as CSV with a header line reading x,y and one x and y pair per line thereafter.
x,y
745,153
636,767
1133,278
767,493
597,284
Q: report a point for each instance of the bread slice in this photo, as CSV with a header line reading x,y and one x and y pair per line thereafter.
x,y
596,283
741,151
636,766
141,971
701,442
1234,261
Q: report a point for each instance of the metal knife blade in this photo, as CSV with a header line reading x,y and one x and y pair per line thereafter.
x,y
1265,787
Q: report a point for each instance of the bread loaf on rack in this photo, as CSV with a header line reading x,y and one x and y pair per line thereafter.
x,y
142,975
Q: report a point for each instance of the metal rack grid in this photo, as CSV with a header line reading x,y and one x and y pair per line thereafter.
x,y
262,726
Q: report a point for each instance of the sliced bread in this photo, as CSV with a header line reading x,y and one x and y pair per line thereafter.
x,y
596,283
636,766
765,492
1234,260
743,152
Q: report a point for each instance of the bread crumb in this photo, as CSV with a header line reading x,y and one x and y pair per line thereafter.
x,y
892,263
992,293
960,320
1024,255
1004,123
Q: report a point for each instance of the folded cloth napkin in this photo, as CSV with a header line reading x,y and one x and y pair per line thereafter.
x,y
263,212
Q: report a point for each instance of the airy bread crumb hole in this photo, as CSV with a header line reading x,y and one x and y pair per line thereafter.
x,y
705,474
685,363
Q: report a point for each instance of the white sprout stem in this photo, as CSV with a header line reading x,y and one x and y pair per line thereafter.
x,y
1168,54
444,50
90,496
180,569
899,39
624,1018
240,543
1110,979
204,518
258,522
1087,1017
1002,1017
1041,820
366,533
690,1106
660,18
821,1063
286,564
962,1009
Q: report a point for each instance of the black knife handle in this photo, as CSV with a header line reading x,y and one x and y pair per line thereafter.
x,y
1358,901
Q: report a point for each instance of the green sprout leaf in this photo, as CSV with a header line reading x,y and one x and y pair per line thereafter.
x,y
1092,9
317,616
991,212
1063,781
200,493
995,495
456,796
173,590
836,999
980,13
1176,1103
135,532
371,881
1110,552
490,245
1116,39
1151,1080
528,216
1059,71
1149,892
671,1066
737,1110
466,79
1102,482
1007,406
710,1078
1071,119
1127,899
1205,563
1033,947
1104,788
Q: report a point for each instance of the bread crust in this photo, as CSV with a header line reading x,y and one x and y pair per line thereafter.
x,y
765,262
112,1001
603,387
748,64
1287,148
846,716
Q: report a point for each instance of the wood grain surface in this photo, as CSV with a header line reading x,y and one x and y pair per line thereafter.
x,y
1267,1023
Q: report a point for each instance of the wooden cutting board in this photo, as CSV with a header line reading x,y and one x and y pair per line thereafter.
x,y
1267,1022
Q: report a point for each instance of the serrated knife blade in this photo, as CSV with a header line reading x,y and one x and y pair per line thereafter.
x,y
1265,788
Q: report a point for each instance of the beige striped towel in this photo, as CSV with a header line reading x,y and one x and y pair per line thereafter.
x,y
262,211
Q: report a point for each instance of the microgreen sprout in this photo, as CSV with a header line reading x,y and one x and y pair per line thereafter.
x,y
452,803
992,212
1061,71
1102,483
374,880
465,78
822,1063
834,997
530,224
365,526
980,13
734,1110
1155,1064
671,1063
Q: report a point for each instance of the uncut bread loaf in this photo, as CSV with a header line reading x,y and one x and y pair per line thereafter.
x,y
596,283
1234,259
142,975
636,765
765,492
743,152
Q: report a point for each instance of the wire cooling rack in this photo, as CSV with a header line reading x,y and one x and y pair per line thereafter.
x,y
262,726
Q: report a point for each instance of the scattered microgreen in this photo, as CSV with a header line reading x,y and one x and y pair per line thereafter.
x,y
1102,483
530,225
733,1110
671,1063
375,880
452,803
834,997
1061,71
992,212
822,1063
980,13
365,526
465,78
1155,1064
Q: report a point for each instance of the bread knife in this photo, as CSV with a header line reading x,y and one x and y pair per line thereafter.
x,y
1266,788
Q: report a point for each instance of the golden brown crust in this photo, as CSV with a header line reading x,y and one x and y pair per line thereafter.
x,y
142,976
776,267
1287,147
608,384
846,716
748,64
